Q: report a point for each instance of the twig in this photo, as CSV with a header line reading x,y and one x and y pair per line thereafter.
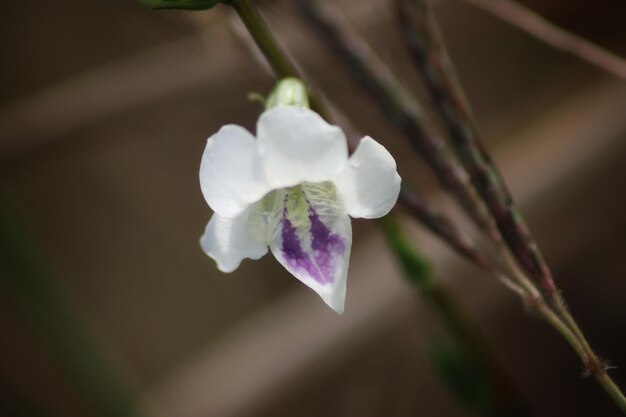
x,y
397,105
441,226
415,203
430,53
535,25
413,265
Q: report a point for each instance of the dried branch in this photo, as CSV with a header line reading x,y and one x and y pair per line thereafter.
x,y
399,107
415,204
535,25
430,53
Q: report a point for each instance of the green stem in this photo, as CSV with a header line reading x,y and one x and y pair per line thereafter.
x,y
257,27
275,55
612,389
587,356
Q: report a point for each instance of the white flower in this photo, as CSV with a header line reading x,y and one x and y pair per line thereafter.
x,y
292,189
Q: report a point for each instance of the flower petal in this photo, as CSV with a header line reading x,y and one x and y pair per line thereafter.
x,y
297,145
230,173
312,240
369,185
229,240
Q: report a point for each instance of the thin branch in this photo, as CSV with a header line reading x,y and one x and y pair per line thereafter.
x,y
441,226
430,53
416,270
535,25
399,106
416,204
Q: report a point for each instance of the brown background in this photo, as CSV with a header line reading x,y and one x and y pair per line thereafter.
x,y
105,107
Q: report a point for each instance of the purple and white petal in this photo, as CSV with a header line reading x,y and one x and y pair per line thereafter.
x,y
297,145
229,240
312,240
369,185
231,177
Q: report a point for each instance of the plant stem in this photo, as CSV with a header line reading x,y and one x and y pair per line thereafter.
x,y
413,265
534,24
441,226
594,366
256,25
416,204
275,55
430,53
503,400
613,390
398,105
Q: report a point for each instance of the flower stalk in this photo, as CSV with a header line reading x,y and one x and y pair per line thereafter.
x,y
282,66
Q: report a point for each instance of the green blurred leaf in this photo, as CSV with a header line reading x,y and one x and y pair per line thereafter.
x,y
36,295
182,4
415,267
464,377
468,380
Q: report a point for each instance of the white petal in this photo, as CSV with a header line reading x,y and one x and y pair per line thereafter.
x,y
229,240
312,240
369,185
230,173
297,145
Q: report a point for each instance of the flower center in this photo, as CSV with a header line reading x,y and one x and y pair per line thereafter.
x,y
301,221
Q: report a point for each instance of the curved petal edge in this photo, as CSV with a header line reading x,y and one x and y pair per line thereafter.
x,y
369,185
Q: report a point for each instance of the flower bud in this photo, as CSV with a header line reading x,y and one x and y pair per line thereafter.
x,y
288,92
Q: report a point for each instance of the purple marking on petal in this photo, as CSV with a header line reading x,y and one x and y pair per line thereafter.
x,y
327,247
295,257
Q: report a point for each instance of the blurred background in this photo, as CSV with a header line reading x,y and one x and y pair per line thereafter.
x,y
105,108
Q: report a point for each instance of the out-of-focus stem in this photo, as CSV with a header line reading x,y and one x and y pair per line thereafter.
x,y
431,56
440,225
430,53
534,24
505,398
399,106
416,204
413,265
36,297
